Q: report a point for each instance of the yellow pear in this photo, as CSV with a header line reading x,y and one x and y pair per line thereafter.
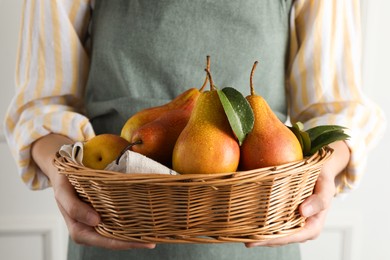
x,y
207,143
271,142
103,149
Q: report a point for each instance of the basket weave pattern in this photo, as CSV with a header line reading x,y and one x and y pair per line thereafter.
x,y
200,208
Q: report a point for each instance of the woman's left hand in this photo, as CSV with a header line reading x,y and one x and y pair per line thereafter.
x,y
316,206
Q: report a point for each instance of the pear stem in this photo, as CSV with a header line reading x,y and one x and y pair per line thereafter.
x,y
207,78
125,149
210,79
251,78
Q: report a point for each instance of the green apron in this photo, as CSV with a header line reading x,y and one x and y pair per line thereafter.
x,y
144,53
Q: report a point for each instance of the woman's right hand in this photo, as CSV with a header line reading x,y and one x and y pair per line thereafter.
x,y
79,217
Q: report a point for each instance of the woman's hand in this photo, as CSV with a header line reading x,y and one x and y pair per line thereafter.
x,y
316,206
79,217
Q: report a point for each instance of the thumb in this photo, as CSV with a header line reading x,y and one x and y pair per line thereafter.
x,y
321,199
311,206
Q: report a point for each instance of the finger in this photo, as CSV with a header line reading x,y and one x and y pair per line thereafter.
x,y
68,200
319,201
310,231
314,208
87,235
324,192
80,219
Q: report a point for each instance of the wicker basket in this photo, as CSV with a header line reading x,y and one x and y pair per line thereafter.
x,y
215,208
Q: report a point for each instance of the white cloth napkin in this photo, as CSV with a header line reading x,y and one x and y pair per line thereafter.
x,y
130,162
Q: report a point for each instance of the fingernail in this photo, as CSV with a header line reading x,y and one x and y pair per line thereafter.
x,y
255,244
307,211
151,246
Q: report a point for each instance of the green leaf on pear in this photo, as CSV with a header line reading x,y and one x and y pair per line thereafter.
x,y
302,136
298,125
238,112
315,138
326,138
297,134
321,129
306,142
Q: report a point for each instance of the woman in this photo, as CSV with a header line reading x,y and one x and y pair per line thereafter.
x,y
84,67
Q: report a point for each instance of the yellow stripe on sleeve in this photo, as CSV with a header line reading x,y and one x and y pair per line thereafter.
x,y
333,48
41,70
75,50
349,73
57,51
18,54
27,49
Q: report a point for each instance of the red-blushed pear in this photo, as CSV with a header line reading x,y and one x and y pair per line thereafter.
x,y
185,100
157,138
271,142
103,149
207,143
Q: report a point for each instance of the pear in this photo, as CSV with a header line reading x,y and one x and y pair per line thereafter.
x,y
157,138
185,100
102,149
207,144
271,142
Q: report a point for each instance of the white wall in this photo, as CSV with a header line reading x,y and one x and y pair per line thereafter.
x,y
357,227
27,218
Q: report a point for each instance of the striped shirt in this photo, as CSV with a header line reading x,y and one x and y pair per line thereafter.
x,y
323,79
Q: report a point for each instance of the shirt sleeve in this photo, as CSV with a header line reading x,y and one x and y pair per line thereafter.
x,y
52,67
324,79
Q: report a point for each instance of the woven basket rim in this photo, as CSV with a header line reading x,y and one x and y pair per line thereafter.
x,y
66,166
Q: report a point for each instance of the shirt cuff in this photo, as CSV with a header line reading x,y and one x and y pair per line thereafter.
x,y
71,124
